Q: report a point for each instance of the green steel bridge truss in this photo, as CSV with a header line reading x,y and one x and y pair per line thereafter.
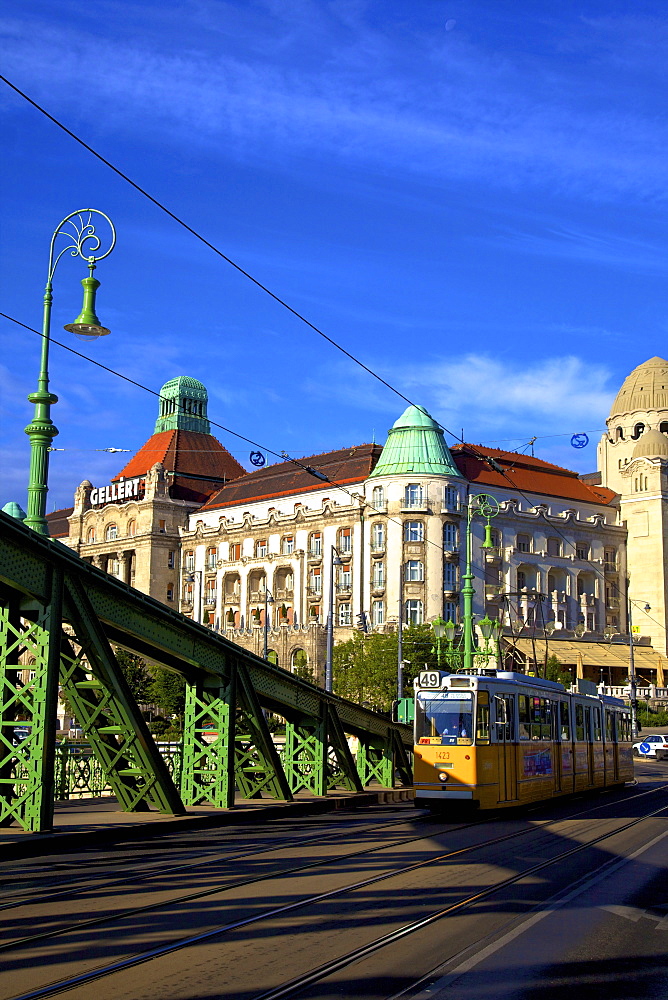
x,y
60,617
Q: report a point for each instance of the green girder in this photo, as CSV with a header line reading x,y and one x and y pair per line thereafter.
x,y
60,616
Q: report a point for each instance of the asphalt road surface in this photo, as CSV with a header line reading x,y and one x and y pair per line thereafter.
x,y
389,902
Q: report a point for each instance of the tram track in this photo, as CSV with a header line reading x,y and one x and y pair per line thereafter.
x,y
294,986
132,876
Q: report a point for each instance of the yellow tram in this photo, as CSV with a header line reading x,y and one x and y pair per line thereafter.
x,y
509,739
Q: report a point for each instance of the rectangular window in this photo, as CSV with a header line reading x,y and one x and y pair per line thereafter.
x,y
444,714
235,550
261,547
288,545
450,498
414,496
524,717
211,558
611,559
521,579
315,544
449,535
482,718
582,550
190,562
378,574
449,576
523,543
579,723
345,578
413,531
414,613
170,593
345,614
378,613
170,560
554,547
414,571
598,733
315,580
450,611
565,721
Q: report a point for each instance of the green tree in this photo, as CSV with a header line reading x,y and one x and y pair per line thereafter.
x,y
555,672
167,690
135,673
365,667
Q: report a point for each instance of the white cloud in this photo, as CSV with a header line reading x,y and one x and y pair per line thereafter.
x,y
343,87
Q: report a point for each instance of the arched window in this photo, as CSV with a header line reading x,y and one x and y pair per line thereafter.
x,y
378,497
299,664
637,431
663,427
619,433
345,543
554,546
90,536
132,528
111,532
315,544
523,543
377,536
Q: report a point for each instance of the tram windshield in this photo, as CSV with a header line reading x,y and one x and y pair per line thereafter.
x,y
443,717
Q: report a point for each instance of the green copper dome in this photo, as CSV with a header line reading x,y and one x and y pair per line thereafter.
x,y
415,443
14,510
183,403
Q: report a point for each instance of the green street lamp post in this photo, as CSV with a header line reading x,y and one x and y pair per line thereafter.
x,y
439,630
85,243
462,655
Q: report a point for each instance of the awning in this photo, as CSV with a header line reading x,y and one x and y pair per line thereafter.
x,y
590,654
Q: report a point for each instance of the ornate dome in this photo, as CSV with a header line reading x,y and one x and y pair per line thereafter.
x,y
652,444
646,388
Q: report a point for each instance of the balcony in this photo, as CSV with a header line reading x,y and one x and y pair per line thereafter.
x,y
314,555
450,594
493,556
314,592
283,593
451,555
586,600
415,504
377,548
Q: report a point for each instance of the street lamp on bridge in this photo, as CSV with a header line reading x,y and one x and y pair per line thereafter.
x,y
85,243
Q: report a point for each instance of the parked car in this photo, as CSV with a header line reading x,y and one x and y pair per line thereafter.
x,y
652,746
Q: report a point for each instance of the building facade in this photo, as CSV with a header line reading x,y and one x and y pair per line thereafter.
x,y
374,531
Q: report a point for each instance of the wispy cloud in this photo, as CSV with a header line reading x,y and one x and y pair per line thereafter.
x,y
462,112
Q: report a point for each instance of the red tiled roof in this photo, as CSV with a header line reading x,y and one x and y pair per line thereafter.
x,y
528,474
200,458
345,467
57,523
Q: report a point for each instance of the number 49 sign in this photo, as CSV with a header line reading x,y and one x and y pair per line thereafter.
x,y
429,679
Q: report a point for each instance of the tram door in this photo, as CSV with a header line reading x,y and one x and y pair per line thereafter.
x,y
505,734
590,745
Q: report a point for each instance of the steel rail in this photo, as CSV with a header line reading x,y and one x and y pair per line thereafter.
x,y
48,895
323,971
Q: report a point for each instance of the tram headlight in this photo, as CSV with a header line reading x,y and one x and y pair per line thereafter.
x,y
442,776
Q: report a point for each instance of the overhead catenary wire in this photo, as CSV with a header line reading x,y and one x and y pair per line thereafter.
x,y
280,301
193,232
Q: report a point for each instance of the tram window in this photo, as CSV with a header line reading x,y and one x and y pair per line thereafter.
x,y
540,728
482,724
624,726
446,715
565,720
598,735
579,723
524,719
609,726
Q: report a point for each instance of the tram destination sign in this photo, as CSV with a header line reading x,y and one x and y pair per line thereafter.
x,y
124,489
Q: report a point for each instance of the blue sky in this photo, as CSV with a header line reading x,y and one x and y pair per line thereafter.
x,y
469,196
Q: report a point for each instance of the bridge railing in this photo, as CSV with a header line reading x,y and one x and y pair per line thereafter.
x,y
62,615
